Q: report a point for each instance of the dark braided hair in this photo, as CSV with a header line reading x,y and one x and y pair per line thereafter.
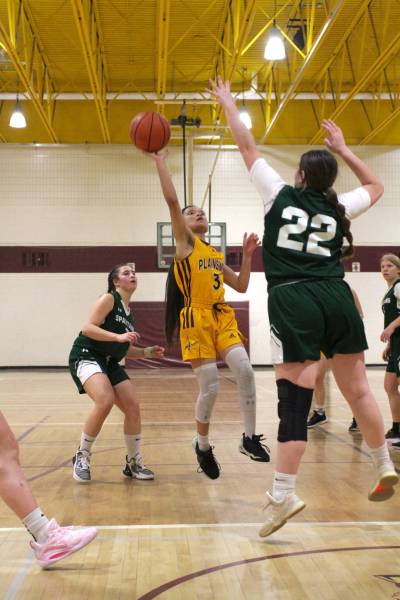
x,y
320,171
174,304
174,301
113,274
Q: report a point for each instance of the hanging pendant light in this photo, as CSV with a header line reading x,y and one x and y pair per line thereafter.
x,y
244,114
274,48
17,119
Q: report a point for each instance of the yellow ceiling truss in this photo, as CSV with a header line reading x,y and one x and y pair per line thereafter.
x,y
84,67
162,54
314,46
20,40
374,78
90,36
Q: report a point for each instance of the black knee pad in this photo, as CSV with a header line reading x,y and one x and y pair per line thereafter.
x,y
293,408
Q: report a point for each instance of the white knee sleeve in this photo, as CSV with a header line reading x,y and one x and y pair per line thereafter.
x,y
207,378
238,362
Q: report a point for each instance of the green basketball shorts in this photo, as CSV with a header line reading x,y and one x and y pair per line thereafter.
x,y
313,316
85,363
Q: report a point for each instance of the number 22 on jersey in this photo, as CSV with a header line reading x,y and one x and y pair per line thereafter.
x,y
300,222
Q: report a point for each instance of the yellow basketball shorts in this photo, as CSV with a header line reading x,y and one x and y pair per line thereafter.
x,y
204,332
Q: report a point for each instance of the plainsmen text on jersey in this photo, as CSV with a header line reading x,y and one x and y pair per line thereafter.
x,y
200,275
117,321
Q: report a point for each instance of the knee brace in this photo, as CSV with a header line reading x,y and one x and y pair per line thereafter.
x,y
293,408
207,378
238,361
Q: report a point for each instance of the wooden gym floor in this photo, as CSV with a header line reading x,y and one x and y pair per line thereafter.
x,y
184,536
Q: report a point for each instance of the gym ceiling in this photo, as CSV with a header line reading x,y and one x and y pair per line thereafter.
x,y
83,68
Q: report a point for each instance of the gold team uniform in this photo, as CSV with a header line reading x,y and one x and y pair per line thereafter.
x,y
207,323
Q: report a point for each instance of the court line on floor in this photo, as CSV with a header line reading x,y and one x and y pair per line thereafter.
x,y
340,439
229,525
18,579
179,580
28,431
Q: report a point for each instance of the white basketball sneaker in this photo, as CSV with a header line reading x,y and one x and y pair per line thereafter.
x,y
279,511
386,478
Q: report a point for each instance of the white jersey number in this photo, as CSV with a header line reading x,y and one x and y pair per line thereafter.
x,y
300,222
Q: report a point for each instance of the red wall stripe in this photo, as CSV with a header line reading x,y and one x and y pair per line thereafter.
x,y
100,259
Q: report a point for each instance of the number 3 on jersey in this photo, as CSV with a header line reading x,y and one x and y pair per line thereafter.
x,y
217,282
300,221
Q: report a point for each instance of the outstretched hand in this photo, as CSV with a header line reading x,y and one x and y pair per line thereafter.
x,y
334,140
160,156
221,90
250,243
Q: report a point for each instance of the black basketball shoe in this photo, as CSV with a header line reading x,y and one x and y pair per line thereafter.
x,y
206,460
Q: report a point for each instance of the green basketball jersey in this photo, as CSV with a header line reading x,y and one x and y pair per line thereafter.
x,y
117,321
302,238
391,306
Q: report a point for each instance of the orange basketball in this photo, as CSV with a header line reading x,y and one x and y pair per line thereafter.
x,y
149,131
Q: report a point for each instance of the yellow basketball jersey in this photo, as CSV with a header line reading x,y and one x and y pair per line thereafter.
x,y
200,276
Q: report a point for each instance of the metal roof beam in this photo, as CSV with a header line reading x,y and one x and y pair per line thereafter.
x,y
241,26
374,71
162,50
88,26
382,125
362,10
193,25
331,20
20,40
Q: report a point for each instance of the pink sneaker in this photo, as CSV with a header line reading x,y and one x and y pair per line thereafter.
x,y
61,542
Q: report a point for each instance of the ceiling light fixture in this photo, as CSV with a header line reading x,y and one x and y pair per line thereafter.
x,y
17,119
274,48
244,115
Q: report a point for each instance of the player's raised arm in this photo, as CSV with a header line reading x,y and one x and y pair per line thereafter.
x,y
335,142
183,236
242,136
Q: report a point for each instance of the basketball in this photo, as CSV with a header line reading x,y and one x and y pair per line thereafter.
x,y
149,131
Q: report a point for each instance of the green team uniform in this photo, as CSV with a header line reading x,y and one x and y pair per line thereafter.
x,y
106,354
391,311
311,308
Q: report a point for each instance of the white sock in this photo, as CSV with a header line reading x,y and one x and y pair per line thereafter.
x,y
132,443
238,361
320,410
36,523
380,456
203,442
87,442
283,485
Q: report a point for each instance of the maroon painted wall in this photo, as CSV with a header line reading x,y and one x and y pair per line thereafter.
x,y
149,322
100,259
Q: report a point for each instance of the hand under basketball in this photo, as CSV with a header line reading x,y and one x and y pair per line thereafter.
x,y
160,156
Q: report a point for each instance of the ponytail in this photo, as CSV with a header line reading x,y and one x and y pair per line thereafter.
x,y
332,199
113,274
174,305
